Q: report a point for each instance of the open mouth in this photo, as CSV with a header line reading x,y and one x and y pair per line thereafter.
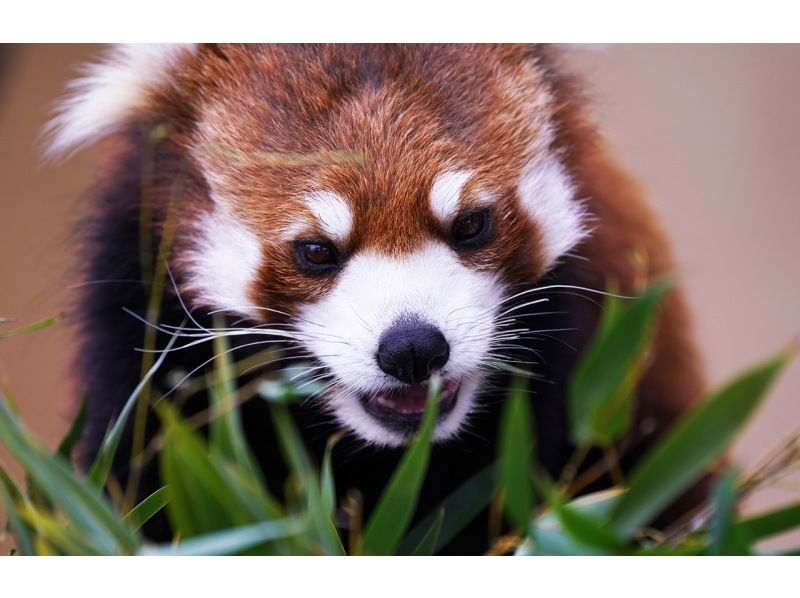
x,y
402,408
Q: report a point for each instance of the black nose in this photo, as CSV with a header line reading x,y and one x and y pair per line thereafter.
x,y
411,350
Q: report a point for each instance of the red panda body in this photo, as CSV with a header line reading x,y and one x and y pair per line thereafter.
x,y
385,212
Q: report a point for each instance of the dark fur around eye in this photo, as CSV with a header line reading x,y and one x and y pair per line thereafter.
x,y
472,230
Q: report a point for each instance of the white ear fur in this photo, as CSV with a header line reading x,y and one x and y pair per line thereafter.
x,y
548,196
109,92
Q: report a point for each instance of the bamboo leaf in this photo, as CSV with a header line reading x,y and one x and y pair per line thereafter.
x,y
516,456
200,497
327,481
588,530
13,498
727,539
237,540
87,510
145,510
547,534
73,435
322,529
601,389
459,509
396,506
773,523
427,545
59,535
226,435
686,452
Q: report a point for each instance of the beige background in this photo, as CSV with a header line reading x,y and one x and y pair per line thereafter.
x,y
712,131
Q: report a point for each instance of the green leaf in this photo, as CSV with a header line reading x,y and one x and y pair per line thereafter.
x,y
687,451
45,323
328,483
226,435
459,509
61,536
516,456
427,545
207,493
547,534
13,498
322,529
68,443
238,540
727,539
773,523
89,513
144,511
98,472
600,395
589,530
396,506
692,546
201,499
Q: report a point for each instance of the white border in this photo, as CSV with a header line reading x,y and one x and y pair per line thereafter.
x,y
585,21
401,577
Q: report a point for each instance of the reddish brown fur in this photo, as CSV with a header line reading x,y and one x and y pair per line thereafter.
x,y
412,112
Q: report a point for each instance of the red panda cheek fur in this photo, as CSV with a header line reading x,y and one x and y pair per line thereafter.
x,y
249,132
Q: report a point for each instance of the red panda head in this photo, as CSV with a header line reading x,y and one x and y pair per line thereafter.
x,y
386,202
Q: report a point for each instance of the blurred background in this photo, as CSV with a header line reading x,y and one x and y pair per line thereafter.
x,y
712,131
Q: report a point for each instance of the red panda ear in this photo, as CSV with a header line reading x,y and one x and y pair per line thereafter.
x,y
111,91
547,195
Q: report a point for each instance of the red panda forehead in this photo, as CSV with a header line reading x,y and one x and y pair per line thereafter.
x,y
373,126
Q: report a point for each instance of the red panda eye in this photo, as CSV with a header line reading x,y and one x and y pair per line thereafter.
x,y
471,230
316,257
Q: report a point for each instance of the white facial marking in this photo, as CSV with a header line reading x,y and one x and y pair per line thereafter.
x,y
446,193
224,262
333,214
548,196
374,290
110,92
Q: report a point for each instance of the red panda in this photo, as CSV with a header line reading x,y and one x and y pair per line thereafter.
x,y
385,211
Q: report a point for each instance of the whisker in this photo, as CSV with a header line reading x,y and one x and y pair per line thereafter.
x,y
178,295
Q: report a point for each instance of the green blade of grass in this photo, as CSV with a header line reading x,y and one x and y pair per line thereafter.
x,y
601,389
460,508
396,506
145,510
73,435
13,499
327,481
516,456
237,540
226,436
200,496
685,453
41,324
87,510
68,541
322,530
773,523
727,539
427,545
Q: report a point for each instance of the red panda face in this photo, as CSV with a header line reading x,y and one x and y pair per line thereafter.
x,y
384,202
